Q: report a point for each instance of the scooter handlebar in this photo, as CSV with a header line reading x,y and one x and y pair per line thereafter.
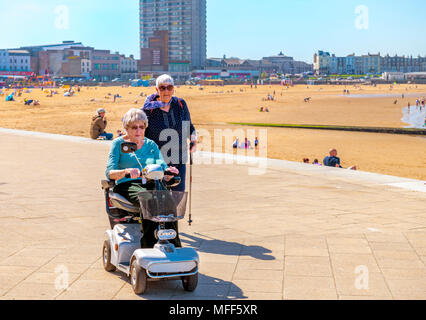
x,y
128,176
169,173
166,173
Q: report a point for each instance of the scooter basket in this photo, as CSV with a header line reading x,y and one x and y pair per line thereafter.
x,y
163,206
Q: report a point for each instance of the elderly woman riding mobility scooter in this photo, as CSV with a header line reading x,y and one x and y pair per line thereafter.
x,y
147,211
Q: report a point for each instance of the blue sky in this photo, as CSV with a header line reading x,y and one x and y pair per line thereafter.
x,y
242,28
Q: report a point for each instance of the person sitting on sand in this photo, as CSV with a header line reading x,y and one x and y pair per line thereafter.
x,y
334,161
98,125
316,162
28,102
36,103
10,97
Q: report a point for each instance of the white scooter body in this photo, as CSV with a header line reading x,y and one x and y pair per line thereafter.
x,y
125,242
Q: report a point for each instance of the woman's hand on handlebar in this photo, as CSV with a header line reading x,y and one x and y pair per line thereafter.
x,y
173,170
132,173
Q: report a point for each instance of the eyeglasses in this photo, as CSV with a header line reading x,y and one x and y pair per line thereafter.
x,y
138,127
164,88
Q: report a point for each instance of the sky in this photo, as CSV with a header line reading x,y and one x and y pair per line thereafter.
x,y
248,29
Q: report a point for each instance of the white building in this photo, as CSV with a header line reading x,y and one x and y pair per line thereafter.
x,y
4,60
322,62
128,67
86,67
16,60
393,76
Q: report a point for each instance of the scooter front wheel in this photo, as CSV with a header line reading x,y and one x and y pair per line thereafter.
x,y
106,257
138,277
190,282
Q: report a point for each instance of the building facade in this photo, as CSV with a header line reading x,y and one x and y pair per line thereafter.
x,y
326,63
15,60
128,67
4,60
105,65
185,24
69,59
36,50
156,56
270,65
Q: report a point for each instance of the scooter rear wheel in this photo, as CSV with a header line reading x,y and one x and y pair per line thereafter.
x,y
190,282
138,277
106,257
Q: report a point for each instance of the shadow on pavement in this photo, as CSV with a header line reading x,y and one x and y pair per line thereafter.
x,y
209,288
225,247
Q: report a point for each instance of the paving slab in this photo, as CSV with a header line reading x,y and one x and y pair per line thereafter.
x,y
286,231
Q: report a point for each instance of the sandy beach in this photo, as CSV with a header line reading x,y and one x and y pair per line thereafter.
x,y
214,107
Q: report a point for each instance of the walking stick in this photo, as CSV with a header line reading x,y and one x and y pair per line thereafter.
x,y
190,185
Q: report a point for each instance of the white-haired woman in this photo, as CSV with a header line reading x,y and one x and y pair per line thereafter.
x,y
168,114
120,164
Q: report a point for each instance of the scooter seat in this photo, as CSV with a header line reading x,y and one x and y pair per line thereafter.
x,y
122,203
107,184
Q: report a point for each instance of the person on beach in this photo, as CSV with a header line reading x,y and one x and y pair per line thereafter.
x,y
10,97
332,160
170,126
98,126
236,143
316,162
28,102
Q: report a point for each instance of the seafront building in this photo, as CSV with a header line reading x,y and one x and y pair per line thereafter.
x,y
173,35
326,63
12,60
275,64
70,60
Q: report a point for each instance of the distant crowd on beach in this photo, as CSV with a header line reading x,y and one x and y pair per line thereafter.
x,y
246,144
416,115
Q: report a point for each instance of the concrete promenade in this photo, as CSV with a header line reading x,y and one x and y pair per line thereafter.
x,y
295,232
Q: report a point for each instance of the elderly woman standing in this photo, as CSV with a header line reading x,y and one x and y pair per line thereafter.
x,y
119,165
170,125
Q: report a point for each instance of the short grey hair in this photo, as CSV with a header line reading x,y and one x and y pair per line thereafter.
x,y
164,79
134,115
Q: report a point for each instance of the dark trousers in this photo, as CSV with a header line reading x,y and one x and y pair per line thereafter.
x,y
130,191
182,175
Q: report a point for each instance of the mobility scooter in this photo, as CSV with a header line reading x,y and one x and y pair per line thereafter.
x,y
122,247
